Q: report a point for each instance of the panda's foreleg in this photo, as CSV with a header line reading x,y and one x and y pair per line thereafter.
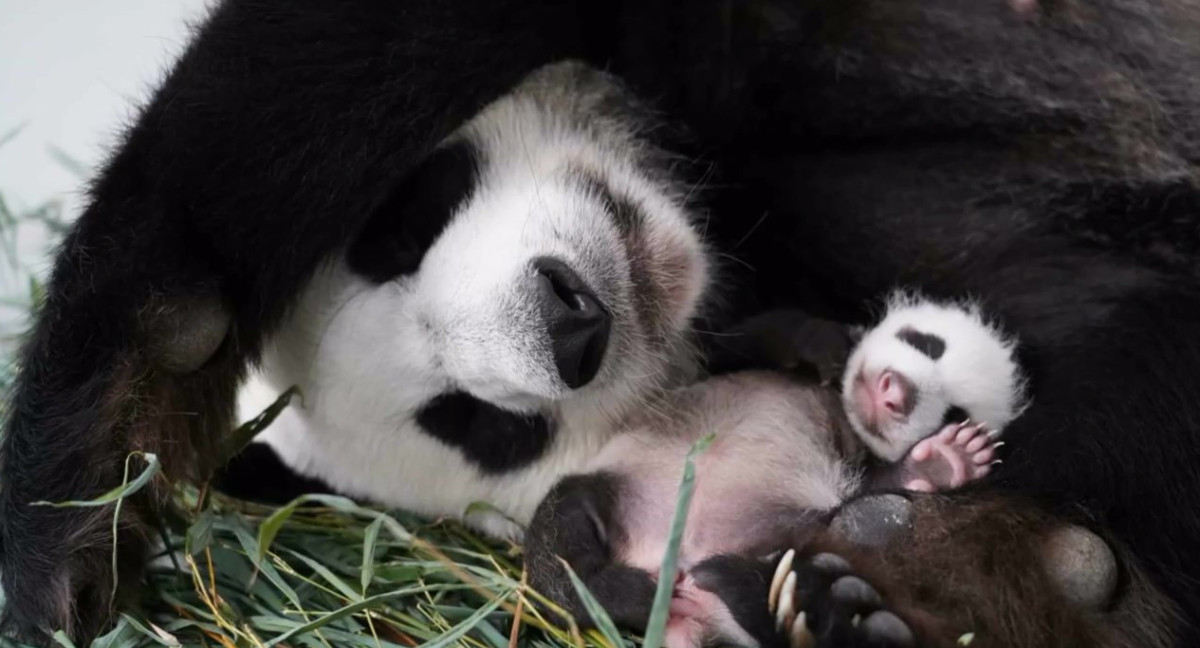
x,y
577,523
936,565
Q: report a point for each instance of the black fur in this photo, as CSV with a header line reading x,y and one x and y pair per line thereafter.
x,y
403,228
788,340
839,606
954,414
578,523
1043,163
259,475
496,440
930,345
742,585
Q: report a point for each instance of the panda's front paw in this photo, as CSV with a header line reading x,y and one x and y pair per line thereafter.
x,y
819,602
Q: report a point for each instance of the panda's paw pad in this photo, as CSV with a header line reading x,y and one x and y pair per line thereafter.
x,y
818,602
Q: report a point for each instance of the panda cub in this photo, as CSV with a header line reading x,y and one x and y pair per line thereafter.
x,y
916,392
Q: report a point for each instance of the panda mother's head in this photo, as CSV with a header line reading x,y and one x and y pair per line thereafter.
x,y
541,255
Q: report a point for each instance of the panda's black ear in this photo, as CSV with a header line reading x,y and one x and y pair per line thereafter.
x,y
405,226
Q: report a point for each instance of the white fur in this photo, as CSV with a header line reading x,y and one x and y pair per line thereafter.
x,y
366,357
978,371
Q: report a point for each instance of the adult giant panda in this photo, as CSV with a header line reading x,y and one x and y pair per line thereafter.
x,y
957,147
551,289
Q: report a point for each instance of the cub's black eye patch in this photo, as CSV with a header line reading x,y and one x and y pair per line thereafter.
x,y
955,414
927,343
496,440
405,226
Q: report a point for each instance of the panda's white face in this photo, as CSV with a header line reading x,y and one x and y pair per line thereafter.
x,y
926,365
532,276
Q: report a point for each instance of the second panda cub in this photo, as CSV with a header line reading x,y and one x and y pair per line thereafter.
x,y
924,395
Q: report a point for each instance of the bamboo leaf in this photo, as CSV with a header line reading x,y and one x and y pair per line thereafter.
x,y
159,635
370,539
372,601
250,546
118,493
200,533
467,624
657,625
330,577
241,437
603,622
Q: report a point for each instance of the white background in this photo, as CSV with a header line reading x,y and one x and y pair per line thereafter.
x,y
72,73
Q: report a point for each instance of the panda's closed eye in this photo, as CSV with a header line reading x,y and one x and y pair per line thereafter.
x,y
404,226
928,344
955,414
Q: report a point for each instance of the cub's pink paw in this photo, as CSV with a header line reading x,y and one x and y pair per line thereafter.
x,y
959,453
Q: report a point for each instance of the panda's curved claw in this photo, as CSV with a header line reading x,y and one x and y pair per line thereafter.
x,y
833,605
799,636
785,615
781,571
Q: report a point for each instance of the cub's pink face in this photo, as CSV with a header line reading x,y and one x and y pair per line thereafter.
x,y
894,402
883,400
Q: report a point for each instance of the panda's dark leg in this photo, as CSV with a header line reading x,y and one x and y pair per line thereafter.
x,y
577,523
258,474
283,126
765,599
936,567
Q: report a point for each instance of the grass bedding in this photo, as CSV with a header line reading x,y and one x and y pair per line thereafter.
x,y
327,572
321,572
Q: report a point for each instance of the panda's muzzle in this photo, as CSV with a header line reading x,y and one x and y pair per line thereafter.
x,y
576,322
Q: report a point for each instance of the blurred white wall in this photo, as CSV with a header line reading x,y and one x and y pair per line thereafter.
x,y
71,74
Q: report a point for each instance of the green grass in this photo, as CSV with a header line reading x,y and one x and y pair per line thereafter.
x,y
323,572
327,572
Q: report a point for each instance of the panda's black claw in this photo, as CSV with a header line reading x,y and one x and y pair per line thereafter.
x,y
853,589
831,563
885,628
820,603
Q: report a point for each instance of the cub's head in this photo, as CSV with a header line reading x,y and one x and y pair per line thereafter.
x,y
541,256
926,365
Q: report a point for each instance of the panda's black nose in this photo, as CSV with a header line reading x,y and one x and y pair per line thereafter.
x,y
577,324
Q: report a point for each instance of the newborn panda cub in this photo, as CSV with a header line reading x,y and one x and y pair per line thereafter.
x,y
785,454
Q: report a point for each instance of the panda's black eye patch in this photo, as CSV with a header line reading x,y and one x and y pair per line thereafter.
x,y
406,224
927,343
955,414
495,440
